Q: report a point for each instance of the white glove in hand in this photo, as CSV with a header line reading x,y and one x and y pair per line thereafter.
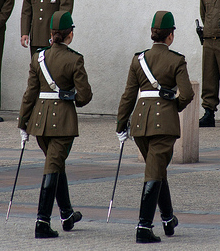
x,y
24,137
122,136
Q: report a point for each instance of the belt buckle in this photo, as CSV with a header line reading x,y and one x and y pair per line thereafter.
x,y
214,38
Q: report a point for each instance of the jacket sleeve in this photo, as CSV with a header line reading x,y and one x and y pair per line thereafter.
x,y
83,88
67,5
202,11
5,12
26,17
186,92
128,100
30,96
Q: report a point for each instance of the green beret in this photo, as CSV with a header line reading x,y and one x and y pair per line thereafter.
x,y
61,20
163,20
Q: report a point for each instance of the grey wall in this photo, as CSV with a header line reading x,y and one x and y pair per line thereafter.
x,y
107,33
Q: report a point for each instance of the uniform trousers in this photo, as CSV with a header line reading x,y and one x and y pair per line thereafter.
x,y
56,151
157,152
211,73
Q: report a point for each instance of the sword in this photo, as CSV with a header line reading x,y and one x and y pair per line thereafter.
x,y
116,178
13,190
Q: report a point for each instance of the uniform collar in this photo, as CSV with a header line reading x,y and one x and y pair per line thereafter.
x,y
61,45
156,43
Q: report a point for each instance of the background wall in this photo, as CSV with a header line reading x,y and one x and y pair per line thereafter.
x,y
107,33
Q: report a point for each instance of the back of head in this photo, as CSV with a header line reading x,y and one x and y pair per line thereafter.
x,y
162,25
61,25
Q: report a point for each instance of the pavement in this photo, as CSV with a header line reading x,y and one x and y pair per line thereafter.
x,y
91,169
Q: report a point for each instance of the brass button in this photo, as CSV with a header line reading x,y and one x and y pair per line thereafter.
x,y
54,114
139,114
41,9
158,103
143,103
55,103
37,124
158,113
138,126
40,18
158,125
54,125
39,113
42,102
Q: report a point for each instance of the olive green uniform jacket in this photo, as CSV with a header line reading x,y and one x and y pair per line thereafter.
x,y
155,116
36,16
47,117
210,15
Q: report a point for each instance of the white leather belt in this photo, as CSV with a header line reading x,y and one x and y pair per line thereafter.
x,y
49,95
149,94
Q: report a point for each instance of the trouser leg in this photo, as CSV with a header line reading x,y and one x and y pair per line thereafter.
x,y
210,74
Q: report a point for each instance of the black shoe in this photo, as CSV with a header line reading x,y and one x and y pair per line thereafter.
x,y
208,119
169,226
1,119
43,230
68,223
146,235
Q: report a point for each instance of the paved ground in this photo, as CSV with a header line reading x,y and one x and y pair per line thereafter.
x,y
91,169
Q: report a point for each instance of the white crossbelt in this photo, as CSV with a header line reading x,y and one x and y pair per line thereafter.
x,y
50,81
49,95
149,94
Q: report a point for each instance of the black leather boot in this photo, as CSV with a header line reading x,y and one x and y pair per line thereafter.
x,y
208,119
46,201
148,206
43,230
169,220
67,215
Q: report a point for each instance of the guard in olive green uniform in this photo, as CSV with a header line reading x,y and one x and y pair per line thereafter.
x,y
54,120
6,7
35,20
155,121
210,15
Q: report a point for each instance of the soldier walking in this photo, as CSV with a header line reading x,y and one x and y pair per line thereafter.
x,y
155,122
48,112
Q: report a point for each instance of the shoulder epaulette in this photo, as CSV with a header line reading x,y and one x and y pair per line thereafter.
x,y
138,53
43,49
177,53
74,51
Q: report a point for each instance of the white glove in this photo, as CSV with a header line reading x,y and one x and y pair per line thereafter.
x,y
24,137
122,136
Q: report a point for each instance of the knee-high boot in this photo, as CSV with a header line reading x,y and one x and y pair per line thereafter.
x,y
45,206
68,216
148,206
169,220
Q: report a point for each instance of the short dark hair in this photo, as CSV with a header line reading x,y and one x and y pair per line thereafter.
x,y
60,35
159,35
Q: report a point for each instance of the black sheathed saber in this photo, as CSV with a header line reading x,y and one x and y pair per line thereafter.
x,y
13,190
116,178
